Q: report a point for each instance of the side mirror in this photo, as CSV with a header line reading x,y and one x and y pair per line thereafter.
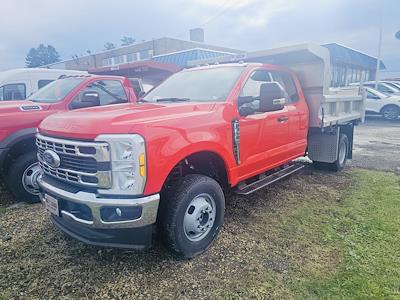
x,y
272,97
88,99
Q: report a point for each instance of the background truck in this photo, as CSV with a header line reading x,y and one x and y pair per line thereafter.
x,y
18,84
19,120
111,174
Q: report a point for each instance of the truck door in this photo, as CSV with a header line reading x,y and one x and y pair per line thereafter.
x,y
263,135
297,113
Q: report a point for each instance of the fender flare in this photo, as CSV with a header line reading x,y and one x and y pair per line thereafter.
x,y
13,139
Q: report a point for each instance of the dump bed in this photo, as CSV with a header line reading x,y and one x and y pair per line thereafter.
x,y
328,106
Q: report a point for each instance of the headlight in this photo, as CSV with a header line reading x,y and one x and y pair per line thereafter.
x,y
128,163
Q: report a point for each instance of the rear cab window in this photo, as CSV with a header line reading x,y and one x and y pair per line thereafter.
x,y
43,82
287,82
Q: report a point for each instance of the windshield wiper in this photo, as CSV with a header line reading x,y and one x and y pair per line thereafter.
x,y
173,99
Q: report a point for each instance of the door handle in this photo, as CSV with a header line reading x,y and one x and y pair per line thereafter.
x,y
283,119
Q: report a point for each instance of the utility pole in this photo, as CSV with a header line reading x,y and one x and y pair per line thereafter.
x,y
378,59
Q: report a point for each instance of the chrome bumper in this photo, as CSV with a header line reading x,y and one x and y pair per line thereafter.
x,y
149,205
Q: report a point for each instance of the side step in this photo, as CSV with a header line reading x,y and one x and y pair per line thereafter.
x,y
265,180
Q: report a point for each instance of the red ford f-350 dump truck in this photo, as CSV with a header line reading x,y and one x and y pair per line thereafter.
x,y
19,120
112,174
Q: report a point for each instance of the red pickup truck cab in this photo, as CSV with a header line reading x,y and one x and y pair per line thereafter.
x,y
19,120
166,160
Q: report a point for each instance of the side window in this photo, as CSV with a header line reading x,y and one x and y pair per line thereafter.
x,y
249,98
43,82
15,91
372,96
253,84
286,80
109,91
384,89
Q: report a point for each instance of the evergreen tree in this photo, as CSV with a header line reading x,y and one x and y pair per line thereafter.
x,y
42,55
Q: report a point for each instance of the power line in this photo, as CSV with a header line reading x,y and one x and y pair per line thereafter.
x,y
234,3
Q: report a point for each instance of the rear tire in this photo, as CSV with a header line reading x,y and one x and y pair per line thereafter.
x,y
340,162
390,112
21,178
191,215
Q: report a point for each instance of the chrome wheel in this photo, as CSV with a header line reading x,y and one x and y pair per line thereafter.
x,y
199,217
29,179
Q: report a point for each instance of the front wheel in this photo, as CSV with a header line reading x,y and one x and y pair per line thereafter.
x,y
22,178
191,215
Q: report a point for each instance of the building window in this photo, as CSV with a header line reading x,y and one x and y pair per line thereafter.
x,y
145,54
119,59
107,61
132,57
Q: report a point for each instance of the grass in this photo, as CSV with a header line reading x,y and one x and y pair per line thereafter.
x,y
352,245
365,229
314,236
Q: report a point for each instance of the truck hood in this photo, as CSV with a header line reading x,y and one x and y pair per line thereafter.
x,y
122,118
21,106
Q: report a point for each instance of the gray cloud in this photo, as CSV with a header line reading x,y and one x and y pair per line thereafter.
x,y
74,26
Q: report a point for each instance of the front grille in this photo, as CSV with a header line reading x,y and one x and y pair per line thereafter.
x,y
81,163
75,163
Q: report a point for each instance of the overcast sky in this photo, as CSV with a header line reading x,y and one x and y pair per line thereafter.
x,y
74,26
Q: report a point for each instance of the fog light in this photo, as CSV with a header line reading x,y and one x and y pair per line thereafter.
x,y
118,214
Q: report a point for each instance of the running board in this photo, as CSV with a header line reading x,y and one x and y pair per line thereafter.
x,y
265,180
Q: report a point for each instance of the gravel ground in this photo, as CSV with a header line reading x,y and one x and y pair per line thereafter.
x,y
38,261
377,145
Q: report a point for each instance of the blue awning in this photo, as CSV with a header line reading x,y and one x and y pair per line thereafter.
x,y
181,58
342,54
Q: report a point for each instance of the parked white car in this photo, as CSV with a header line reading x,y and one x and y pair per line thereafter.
x,y
18,84
380,103
383,87
395,84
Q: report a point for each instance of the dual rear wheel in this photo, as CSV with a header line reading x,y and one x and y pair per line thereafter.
x,y
340,162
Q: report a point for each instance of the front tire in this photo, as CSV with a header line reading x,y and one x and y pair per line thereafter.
x,y
191,215
21,179
390,112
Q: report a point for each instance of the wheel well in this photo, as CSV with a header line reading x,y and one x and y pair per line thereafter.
x,y
387,105
206,163
22,147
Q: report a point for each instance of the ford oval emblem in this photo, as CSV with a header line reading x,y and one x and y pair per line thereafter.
x,y
51,158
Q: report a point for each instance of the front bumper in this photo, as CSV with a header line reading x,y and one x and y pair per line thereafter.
x,y
89,226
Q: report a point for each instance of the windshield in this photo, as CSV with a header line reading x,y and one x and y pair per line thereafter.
x,y
201,85
377,93
55,91
393,85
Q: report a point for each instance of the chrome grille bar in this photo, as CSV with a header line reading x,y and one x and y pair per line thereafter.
x,y
76,172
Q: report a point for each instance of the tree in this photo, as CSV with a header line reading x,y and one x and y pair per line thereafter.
x,y
42,55
109,46
127,40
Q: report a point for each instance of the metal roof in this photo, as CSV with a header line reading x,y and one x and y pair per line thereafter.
x,y
182,58
346,55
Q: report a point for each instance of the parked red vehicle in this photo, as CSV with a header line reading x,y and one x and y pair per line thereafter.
x,y
19,120
111,174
